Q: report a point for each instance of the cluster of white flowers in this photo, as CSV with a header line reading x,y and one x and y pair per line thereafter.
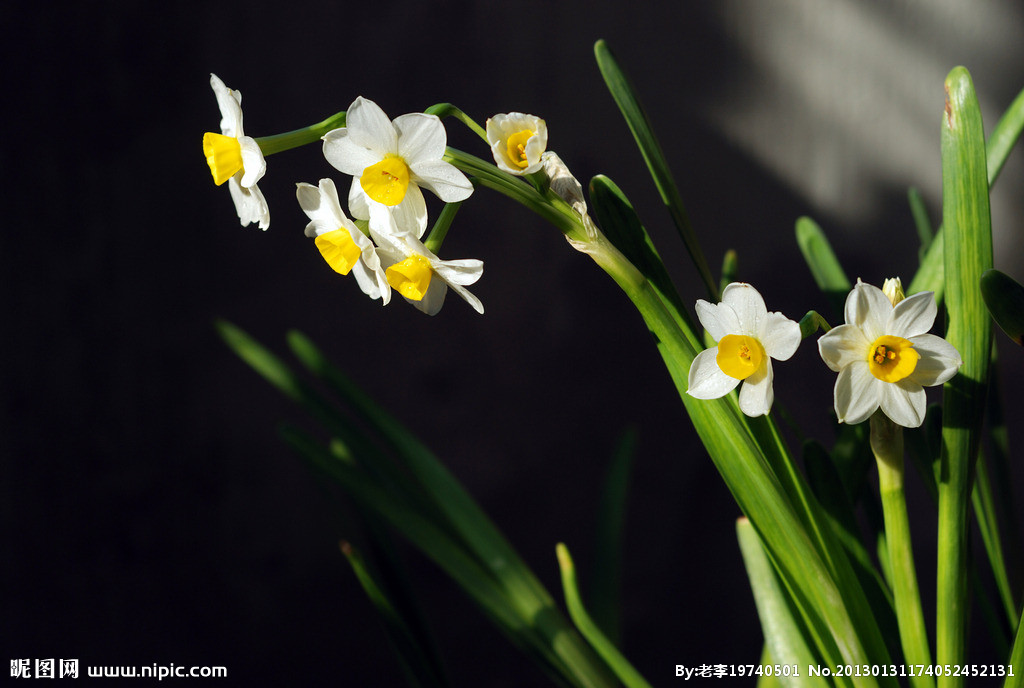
x,y
390,161
883,353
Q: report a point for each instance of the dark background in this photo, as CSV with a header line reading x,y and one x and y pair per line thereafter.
x,y
151,515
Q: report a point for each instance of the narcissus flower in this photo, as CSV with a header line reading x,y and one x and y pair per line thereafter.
x,y
884,356
393,159
343,246
517,141
236,158
748,337
421,277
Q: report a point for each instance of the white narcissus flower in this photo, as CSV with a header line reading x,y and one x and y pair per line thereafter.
x,y
236,158
343,246
748,337
884,356
517,141
392,159
420,276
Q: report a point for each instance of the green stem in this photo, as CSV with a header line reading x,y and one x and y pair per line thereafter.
x,y
887,446
300,137
443,110
440,229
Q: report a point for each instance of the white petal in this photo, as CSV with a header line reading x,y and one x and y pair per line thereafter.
x,y
912,316
857,393
347,156
421,137
749,306
718,319
756,394
411,214
250,204
321,205
253,163
434,298
706,380
781,336
358,201
939,360
904,402
843,345
459,272
470,298
370,128
444,179
230,104
868,308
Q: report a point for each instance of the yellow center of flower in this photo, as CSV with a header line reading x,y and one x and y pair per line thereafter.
x,y
892,358
739,356
338,249
411,277
517,147
387,181
223,155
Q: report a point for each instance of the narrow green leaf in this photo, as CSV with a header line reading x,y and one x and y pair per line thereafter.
x,y
924,225
625,672
608,550
783,634
480,537
929,276
827,485
622,226
447,496
629,104
730,267
275,371
839,619
558,655
988,525
1017,659
417,661
968,253
825,268
1004,298
1003,494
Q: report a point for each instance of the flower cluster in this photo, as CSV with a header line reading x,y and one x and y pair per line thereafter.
x,y
390,162
883,353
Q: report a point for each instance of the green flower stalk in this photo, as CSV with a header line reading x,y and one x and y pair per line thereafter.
x,y
887,446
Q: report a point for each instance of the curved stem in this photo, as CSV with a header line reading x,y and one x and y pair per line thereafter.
x,y
300,137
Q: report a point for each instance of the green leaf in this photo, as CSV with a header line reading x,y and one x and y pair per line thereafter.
x,y
730,268
625,672
827,272
629,104
1004,298
924,225
622,226
929,276
461,516
783,633
1017,658
417,661
828,488
968,253
608,550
